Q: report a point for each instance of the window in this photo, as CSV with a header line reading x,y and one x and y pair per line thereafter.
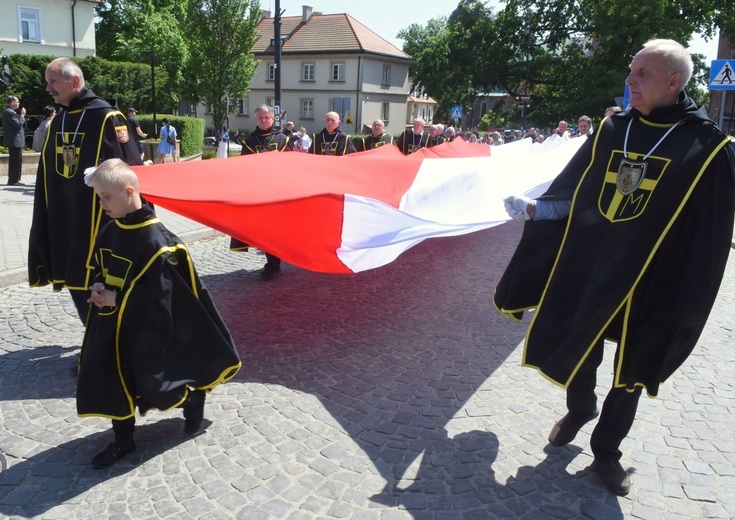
x,y
307,73
386,75
338,72
242,106
30,25
385,112
271,72
341,105
307,109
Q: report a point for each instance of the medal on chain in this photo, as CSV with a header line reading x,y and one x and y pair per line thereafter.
x,y
631,173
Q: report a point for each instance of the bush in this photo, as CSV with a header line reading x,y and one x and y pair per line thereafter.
x,y
190,131
122,84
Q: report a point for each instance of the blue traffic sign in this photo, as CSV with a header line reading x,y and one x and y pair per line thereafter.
x,y
456,112
722,75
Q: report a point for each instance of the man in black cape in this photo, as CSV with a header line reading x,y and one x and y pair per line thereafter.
x,y
331,140
629,244
265,138
378,137
66,214
413,139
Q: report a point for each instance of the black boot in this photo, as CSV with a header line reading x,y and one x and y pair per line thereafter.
x,y
194,411
122,445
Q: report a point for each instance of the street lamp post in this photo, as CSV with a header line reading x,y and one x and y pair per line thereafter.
x,y
153,91
277,60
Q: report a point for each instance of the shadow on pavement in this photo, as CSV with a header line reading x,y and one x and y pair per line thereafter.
x,y
393,354
44,372
66,472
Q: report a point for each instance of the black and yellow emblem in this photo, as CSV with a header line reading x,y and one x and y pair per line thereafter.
x,y
67,148
629,185
329,148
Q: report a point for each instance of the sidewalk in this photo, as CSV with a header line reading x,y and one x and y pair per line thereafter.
x,y
16,213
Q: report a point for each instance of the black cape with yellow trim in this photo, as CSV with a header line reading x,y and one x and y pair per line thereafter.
x,y
266,141
368,142
409,142
261,141
164,336
66,212
334,143
641,269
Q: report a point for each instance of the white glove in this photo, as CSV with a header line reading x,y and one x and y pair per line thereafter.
x,y
517,207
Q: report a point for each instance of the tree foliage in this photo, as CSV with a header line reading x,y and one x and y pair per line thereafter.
x,y
221,64
148,32
570,56
122,83
202,46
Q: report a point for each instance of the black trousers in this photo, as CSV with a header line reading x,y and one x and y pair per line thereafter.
x,y
15,164
272,263
618,410
123,430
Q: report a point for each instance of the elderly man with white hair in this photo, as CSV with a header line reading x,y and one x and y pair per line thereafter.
x,y
628,244
413,139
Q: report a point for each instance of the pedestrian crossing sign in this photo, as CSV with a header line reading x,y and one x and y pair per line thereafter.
x,y
722,75
456,112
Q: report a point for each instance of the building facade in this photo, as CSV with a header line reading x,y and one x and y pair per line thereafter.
x,y
329,63
48,27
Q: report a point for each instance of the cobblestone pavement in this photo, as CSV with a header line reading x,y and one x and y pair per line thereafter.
x,y
393,394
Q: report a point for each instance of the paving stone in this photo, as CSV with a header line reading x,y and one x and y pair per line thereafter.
x,y
393,394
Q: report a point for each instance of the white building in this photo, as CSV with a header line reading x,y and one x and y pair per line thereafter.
x,y
329,62
48,27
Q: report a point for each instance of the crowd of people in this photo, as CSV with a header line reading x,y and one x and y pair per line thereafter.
x,y
333,141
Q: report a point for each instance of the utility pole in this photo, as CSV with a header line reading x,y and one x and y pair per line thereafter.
x,y
153,92
277,61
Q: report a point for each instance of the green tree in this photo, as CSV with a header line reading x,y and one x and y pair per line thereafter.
x,y
116,81
220,64
151,32
445,54
571,56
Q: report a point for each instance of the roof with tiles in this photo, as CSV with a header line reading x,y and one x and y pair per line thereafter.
x,y
324,34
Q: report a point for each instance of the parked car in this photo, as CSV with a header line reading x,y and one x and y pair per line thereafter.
x,y
210,143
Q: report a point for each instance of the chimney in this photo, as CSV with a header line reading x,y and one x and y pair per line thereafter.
x,y
306,13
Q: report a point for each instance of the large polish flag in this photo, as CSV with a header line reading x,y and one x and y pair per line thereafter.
x,y
356,212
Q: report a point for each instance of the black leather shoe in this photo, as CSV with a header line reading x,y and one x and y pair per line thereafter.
x,y
268,274
568,427
194,411
613,476
110,454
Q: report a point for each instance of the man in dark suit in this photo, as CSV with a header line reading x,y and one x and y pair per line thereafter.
x,y
14,138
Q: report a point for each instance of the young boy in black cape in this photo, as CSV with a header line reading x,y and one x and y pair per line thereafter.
x,y
154,337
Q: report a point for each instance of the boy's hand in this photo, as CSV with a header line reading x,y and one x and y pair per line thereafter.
x,y
101,297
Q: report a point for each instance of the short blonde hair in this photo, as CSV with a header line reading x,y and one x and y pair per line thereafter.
x,y
114,173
